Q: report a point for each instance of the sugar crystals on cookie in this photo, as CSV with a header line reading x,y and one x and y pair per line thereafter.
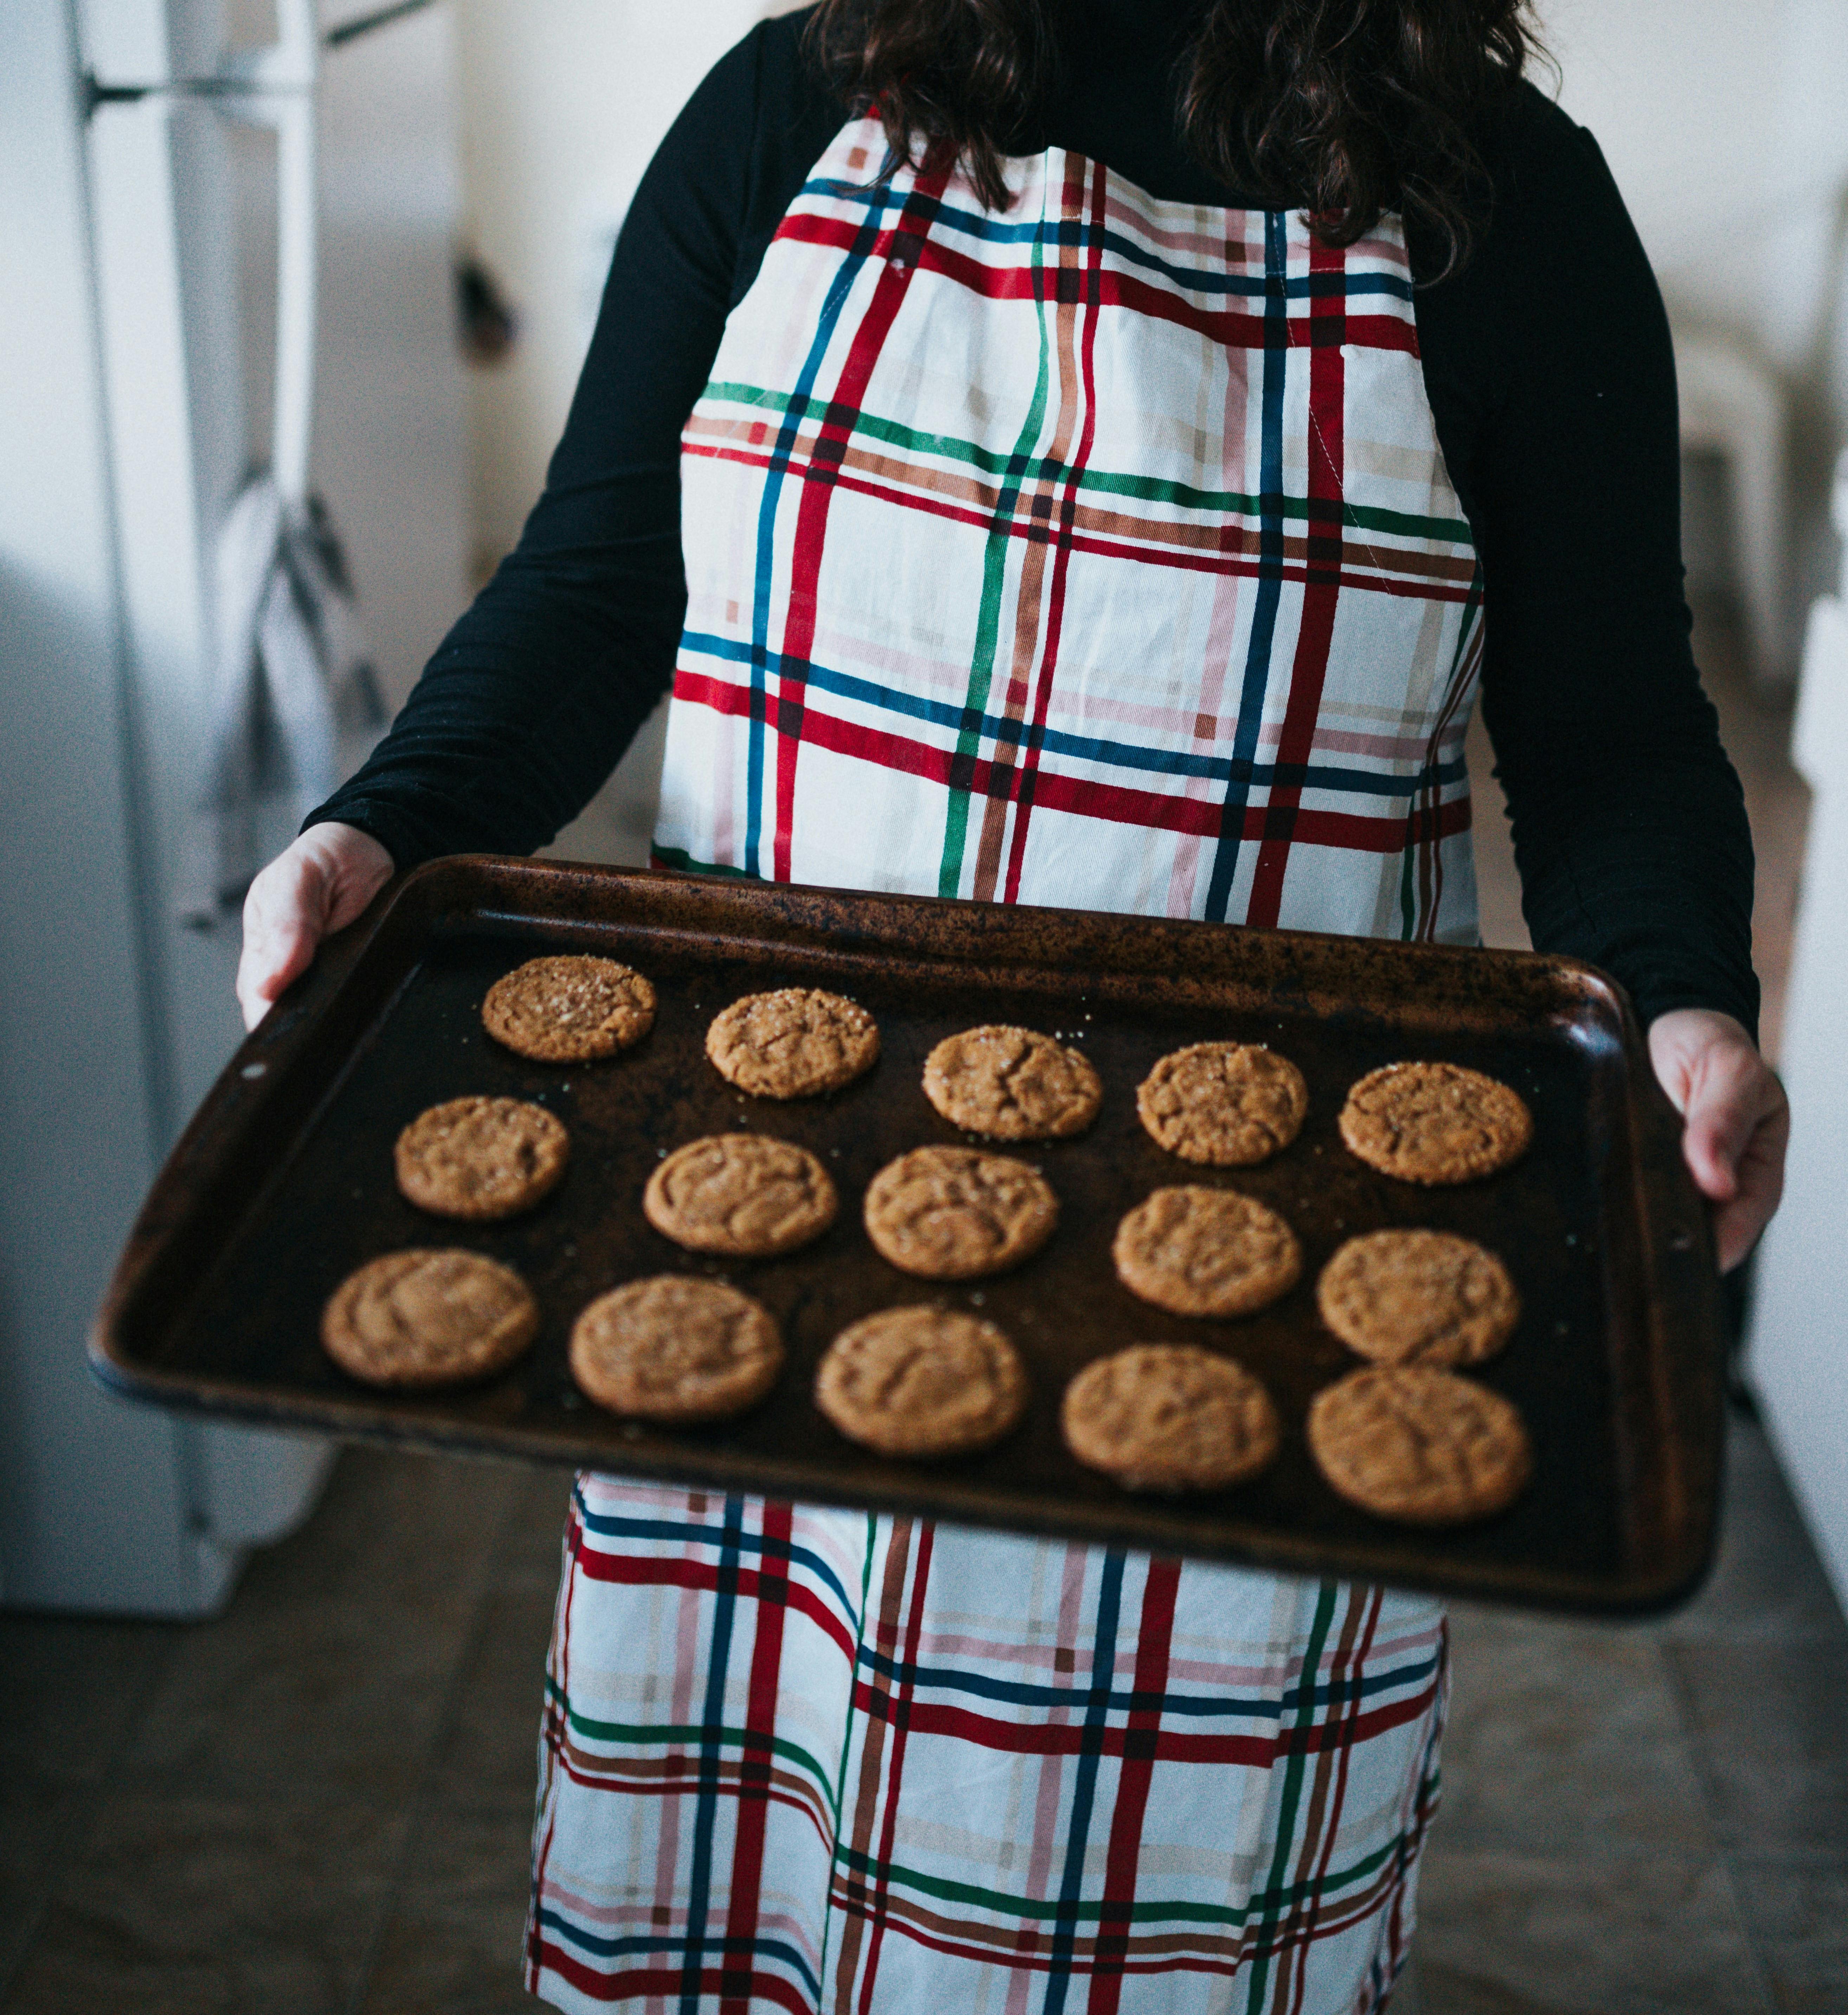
x,y
794,1043
1435,1123
1229,1105
569,1010
1012,1084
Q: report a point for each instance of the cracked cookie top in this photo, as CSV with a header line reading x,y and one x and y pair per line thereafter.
x,y
676,1349
429,1317
569,1010
740,1193
1435,1123
481,1158
1419,1297
793,1043
1199,1252
1420,1446
1228,1105
921,1381
1169,1417
1012,1084
956,1213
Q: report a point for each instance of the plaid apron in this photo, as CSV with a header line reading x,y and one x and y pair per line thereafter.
x,y
1097,552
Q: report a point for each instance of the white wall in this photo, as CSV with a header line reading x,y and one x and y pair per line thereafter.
x,y
562,105
1726,124
391,454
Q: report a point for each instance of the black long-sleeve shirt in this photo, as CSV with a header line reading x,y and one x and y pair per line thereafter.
x,y
1548,361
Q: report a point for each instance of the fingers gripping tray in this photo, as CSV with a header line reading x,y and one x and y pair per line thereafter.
x,y
284,1184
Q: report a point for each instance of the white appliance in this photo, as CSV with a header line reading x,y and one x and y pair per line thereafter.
x,y
158,257
1797,1346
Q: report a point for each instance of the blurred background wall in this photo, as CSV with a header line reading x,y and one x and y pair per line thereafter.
x,y
1726,129
562,105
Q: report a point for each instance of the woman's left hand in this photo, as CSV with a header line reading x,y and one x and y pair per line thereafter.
x,y
1738,1120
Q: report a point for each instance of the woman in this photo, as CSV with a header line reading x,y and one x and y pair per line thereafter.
x,y
1116,438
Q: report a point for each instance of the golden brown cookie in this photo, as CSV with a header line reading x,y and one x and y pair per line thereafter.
x,y
740,1193
953,1213
569,1010
481,1157
793,1043
1169,1416
425,1317
675,1348
1012,1084
1419,1297
1227,1104
921,1381
1423,1447
1197,1251
1435,1123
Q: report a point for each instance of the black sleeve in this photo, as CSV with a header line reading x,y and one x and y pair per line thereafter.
x,y
1552,375
538,689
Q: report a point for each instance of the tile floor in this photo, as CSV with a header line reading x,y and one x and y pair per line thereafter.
x,y
318,1804
1651,1818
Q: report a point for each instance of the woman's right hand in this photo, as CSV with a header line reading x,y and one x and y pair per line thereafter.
x,y
317,887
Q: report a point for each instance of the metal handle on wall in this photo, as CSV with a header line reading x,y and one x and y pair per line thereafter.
x,y
275,87
296,276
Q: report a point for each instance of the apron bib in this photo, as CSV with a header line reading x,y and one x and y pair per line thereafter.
x,y
1099,552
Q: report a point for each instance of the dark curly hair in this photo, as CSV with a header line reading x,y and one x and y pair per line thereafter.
x,y
1343,109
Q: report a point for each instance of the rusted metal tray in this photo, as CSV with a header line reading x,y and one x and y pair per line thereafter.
x,y
284,1183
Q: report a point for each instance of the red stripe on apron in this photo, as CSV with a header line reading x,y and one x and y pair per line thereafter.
x,y
817,495
1321,592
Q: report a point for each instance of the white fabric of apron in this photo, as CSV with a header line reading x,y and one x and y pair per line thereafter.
x,y
1100,552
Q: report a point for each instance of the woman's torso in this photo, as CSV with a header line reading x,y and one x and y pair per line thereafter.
x,y
1099,552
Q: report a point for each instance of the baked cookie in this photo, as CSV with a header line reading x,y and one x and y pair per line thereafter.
x,y
675,1348
428,1317
953,1213
742,1194
1012,1084
1435,1123
569,1010
921,1381
481,1158
1419,1297
1197,1251
793,1043
1227,1104
1169,1416
1423,1447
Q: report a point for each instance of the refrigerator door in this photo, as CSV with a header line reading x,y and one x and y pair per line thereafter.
x,y
162,204
98,1506
140,383
152,43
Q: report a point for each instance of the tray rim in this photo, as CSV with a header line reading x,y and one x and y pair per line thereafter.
x,y
1677,1265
